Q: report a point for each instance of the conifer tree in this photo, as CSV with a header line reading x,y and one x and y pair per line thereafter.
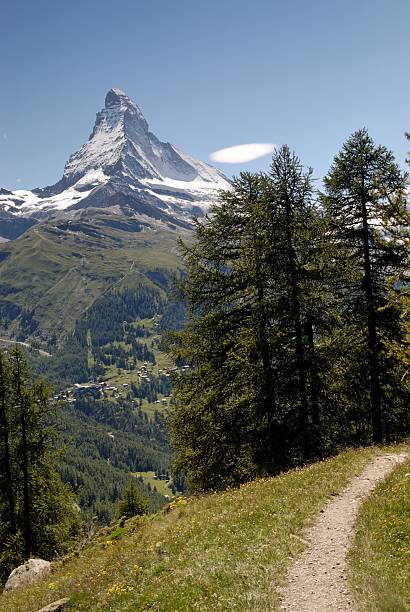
x,y
132,503
227,398
37,512
394,314
9,515
281,296
292,196
243,408
360,186
23,406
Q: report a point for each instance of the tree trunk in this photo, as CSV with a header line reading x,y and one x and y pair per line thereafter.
x,y
4,433
373,343
267,398
263,345
296,312
314,379
262,315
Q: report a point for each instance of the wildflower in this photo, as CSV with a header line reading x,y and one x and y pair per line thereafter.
x,y
119,589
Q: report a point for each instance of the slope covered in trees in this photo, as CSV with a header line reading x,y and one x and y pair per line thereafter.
x,y
102,444
109,436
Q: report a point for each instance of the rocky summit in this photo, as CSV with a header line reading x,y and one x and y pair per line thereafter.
x,y
124,169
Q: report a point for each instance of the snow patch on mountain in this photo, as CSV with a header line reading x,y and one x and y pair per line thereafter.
x,y
30,203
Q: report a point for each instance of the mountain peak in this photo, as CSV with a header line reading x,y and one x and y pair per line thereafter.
x,y
117,100
117,92
116,96
125,166
122,145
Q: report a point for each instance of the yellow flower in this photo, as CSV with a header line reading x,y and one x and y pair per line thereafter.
x,y
119,589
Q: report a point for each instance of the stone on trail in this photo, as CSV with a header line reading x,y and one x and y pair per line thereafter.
x,y
30,571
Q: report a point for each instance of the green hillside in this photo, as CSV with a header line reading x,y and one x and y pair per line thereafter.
x,y
64,267
226,551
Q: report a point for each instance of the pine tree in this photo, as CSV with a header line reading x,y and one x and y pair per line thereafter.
x,y
281,295
23,406
37,512
359,187
292,196
394,314
227,398
6,471
132,503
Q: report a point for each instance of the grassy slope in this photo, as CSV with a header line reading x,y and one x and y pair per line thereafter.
x,y
226,551
162,486
380,556
60,273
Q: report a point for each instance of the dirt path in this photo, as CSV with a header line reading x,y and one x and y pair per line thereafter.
x,y
26,344
317,580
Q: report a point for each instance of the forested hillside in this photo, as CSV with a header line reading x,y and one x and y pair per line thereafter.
x,y
111,404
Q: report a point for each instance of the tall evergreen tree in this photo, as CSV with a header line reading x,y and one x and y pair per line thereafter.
x,y
359,188
37,512
9,515
281,296
292,196
23,406
229,385
132,502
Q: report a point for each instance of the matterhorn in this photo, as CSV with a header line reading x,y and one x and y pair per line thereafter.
x,y
124,169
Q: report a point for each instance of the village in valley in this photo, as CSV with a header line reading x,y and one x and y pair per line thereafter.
x,y
146,385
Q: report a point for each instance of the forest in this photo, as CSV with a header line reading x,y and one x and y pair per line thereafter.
x,y
65,468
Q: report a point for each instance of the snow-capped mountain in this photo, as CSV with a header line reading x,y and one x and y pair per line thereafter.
x,y
123,168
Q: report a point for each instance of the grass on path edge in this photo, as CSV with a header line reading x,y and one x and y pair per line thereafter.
x,y
380,554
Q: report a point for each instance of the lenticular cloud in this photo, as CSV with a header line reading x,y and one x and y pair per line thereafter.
x,y
242,153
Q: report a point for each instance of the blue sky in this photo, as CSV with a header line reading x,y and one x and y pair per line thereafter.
x,y
206,73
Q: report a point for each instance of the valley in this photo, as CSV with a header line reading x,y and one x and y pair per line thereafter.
x,y
96,323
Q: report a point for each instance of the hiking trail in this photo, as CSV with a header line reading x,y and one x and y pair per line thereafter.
x,y
317,580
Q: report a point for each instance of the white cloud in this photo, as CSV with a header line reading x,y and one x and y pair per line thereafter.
x,y
18,180
242,153
4,135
